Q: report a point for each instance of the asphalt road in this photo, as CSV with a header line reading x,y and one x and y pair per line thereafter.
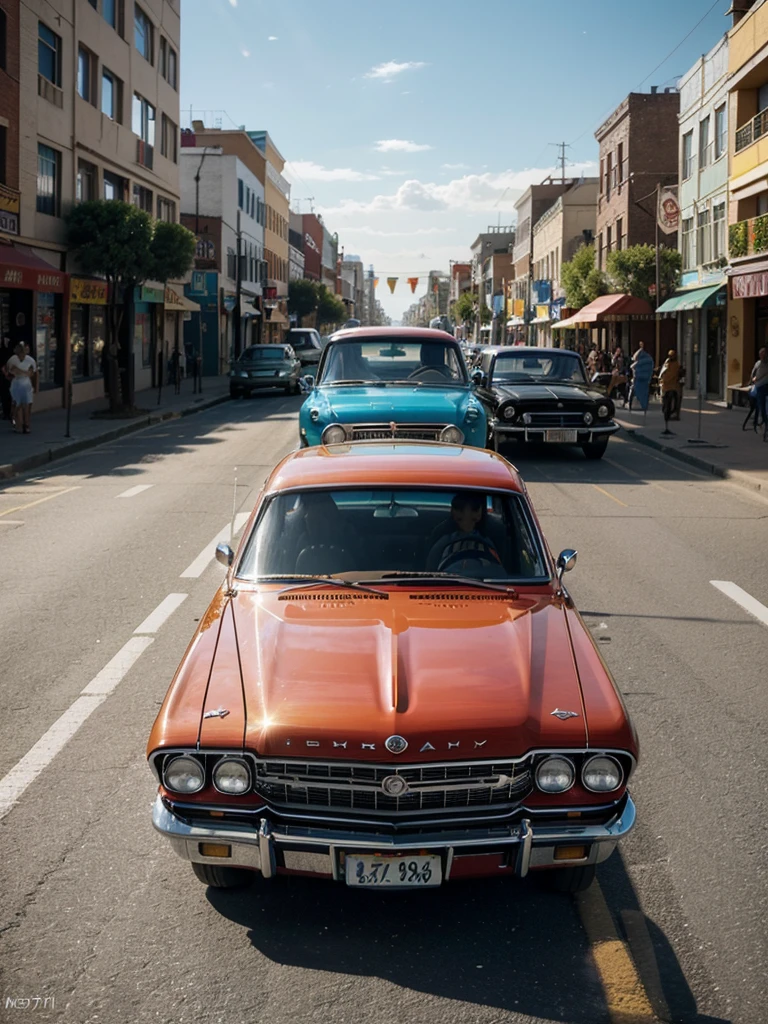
x,y
99,916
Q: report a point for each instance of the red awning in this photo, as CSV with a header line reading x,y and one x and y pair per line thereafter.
x,y
20,268
606,307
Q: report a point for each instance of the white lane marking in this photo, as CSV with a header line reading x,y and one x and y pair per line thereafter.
x,y
25,771
133,491
206,555
164,610
741,597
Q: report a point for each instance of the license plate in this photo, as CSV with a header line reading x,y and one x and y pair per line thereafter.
x,y
561,436
416,872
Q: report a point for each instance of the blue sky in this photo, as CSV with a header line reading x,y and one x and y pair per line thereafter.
x,y
416,123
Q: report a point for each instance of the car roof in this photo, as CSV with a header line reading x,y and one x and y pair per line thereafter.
x,y
271,344
390,463
528,350
415,333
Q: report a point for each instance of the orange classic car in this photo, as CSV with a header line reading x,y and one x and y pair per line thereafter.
x,y
392,687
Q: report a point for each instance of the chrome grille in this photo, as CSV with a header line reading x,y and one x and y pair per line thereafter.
x,y
343,786
400,431
544,420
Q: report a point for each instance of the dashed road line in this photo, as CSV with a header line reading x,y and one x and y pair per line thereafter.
x,y
39,501
743,599
611,496
164,610
133,491
200,564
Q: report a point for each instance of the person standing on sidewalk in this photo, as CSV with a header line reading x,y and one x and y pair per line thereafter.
x,y
759,381
642,371
22,368
669,381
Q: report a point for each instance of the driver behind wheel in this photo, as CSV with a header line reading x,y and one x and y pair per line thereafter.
x,y
467,546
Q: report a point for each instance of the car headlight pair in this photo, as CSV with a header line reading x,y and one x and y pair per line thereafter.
x,y
185,774
334,433
600,774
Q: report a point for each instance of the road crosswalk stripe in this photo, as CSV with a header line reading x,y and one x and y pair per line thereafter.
x,y
133,491
743,599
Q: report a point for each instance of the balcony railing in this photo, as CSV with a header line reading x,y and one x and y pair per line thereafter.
x,y
752,130
748,237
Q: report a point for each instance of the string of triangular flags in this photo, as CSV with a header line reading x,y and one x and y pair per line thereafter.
x,y
412,281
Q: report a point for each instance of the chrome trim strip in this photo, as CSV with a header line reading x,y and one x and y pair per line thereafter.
x,y
609,429
266,850
524,849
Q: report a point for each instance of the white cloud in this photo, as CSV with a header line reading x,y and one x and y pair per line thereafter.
x,y
367,230
272,39
246,53
400,146
390,69
233,3
308,170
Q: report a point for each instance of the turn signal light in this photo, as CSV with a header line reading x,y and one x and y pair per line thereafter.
x,y
215,850
570,852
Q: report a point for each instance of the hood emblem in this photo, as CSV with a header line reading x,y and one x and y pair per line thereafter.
x,y
564,715
218,713
395,745
427,746
394,785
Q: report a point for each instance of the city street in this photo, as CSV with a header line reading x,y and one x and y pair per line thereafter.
x,y
108,565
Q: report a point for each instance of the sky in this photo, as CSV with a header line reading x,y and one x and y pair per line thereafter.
x,y
412,125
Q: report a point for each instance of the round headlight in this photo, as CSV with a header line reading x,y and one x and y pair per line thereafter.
x,y
314,415
602,774
243,373
508,412
184,775
555,775
452,435
232,776
603,411
588,417
334,434
527,419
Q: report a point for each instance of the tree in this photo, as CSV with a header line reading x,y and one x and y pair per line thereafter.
x,y
302,298
464,309
582,281
330,308
633,270
113,240
173,251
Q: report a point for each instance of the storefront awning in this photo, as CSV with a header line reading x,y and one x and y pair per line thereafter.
x,y
178,303
21,268
247,308
516,321
540,320
617,306
691,298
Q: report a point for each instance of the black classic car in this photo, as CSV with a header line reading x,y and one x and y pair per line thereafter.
x,y
542,395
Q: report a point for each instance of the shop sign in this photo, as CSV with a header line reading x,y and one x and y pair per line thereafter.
x,y
33,280
519,307
542,312
668,213
88,293
149,294
9,222
749,286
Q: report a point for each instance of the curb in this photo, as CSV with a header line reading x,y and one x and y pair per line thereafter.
x,y
736,476
12,469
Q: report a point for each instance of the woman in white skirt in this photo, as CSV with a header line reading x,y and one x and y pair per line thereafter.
x,y
22,367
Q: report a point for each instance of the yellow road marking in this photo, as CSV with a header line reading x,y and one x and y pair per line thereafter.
x,y
609,495
39,501
625,997
639,476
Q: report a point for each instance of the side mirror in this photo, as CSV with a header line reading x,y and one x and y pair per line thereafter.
x,y
566,561
306,383
478,377
224,554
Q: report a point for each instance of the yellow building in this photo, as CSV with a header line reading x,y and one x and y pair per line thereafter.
x,y
748,189
277,196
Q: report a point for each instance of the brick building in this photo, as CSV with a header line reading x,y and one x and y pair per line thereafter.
x,y
638,151
9,112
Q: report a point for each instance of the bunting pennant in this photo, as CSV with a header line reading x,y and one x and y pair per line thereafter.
x,y
375,282
413,281
392,281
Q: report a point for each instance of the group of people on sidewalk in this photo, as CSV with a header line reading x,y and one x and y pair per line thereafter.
x,y
18,375
632,380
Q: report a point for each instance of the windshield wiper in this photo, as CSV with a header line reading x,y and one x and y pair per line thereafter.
x,y
337,383
299,580
404,577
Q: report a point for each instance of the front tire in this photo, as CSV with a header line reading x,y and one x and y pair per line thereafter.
x,y
595,449
571,879
221,877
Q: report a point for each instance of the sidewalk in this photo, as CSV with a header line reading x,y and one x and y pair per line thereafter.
x,y
728,451
20,452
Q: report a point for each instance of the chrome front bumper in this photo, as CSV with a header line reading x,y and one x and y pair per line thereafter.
x,y
585,435
318,850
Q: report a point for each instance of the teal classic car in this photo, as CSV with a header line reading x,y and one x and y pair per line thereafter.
x,y
409,383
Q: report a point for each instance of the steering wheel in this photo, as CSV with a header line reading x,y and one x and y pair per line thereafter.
x,y
442,371
483,552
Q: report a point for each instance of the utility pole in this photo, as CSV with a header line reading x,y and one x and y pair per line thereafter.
x,y
561,146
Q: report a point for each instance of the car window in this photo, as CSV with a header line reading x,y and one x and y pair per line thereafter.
x,y
528,368
303,341
393,360
258,353
483,535
485,363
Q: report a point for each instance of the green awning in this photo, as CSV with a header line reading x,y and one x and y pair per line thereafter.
x,y
691,298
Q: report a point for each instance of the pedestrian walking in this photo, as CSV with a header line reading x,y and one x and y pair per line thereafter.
x,y
642,371
6,351
759,390
669,382
592,361
22,368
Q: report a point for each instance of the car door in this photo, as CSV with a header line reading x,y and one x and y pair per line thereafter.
x,y
485,390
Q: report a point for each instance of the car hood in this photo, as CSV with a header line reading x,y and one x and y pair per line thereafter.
x,y
363,404
330,675
565,393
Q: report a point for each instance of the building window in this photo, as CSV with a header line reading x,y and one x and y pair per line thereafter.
x,y
86,74
48,54
48,180
721,132
602,174
168,139
166,210
620,234
687,155
111,96
240,192
705,155
689,262
608,175
168,62
718,231
704,240
87,178
142,33
109,12
3,39
608,239
115,187
620,167
3,154
143,120
142,197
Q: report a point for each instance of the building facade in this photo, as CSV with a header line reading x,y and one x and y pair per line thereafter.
x,y
531,206
352,272
496,240
277,191
295,247
313,246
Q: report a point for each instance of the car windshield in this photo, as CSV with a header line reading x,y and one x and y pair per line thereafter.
x,y
373,533
393,360
302,340
257,353
527,368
